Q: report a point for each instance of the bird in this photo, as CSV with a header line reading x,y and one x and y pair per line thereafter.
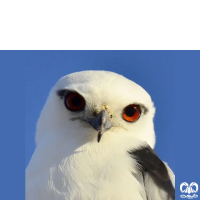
x,y
95,140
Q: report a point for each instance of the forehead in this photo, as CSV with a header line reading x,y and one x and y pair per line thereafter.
x,y
103,85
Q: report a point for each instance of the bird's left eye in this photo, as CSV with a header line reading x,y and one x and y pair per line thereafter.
x,y
131,113
74,101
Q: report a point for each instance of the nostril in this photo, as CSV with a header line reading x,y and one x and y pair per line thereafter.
x,y
110,116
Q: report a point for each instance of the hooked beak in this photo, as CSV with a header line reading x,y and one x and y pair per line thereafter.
x,y
101,123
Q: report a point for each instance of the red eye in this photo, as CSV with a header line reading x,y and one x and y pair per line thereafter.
x,y
131,113
74,101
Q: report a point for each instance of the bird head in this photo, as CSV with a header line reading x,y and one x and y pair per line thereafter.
x,y
97,106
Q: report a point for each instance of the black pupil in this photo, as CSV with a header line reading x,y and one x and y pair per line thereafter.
x,y
76,101
130,111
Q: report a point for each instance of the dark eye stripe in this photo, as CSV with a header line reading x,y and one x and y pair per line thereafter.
x,y
61,93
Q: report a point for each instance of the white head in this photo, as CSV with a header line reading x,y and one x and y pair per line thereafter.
x,y
106,104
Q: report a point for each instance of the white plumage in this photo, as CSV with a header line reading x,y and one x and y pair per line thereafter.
x,y
69,163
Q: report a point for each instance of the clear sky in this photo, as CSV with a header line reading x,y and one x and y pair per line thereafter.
x,y
172,78
153,70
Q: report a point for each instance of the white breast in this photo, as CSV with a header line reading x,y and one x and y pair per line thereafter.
x,y
95,171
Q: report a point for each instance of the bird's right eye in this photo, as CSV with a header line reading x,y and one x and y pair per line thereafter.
x,y
74,101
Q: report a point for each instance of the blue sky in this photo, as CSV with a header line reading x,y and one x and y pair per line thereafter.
x,y
171,77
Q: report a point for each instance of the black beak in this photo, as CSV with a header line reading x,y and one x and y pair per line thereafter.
x,y
101,123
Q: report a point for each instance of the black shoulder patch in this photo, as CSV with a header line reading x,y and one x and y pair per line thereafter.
x,y
151,163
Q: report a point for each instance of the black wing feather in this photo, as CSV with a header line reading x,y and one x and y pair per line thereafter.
x,y
152,164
